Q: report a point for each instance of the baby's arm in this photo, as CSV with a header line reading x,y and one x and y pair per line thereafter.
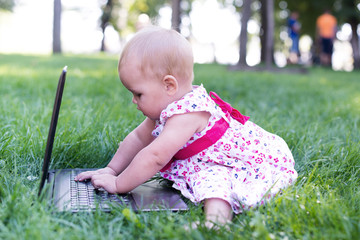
x,y
177,131
139,138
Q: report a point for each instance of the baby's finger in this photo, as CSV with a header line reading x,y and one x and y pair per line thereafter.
x,y
96,182
84,176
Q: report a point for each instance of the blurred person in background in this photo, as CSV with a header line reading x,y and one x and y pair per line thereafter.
x,y
294,34
326,27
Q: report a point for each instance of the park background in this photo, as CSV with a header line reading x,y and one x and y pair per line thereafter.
x,y
212,26
316,111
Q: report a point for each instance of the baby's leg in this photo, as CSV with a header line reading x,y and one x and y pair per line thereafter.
x,y
217,211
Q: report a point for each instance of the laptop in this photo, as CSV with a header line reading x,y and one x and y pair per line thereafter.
x,y
65,194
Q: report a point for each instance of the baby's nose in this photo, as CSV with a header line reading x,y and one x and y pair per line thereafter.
x,y
133,100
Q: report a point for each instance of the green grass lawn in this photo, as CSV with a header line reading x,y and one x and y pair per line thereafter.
x,y
318,115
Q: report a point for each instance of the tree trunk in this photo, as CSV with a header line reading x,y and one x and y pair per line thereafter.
x,y
176,15
263,31
105,19
355,44
57,27
269,37
245,16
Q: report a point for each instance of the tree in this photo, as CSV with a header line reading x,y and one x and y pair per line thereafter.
x,y
137,7
354,22
245,16
348,12
108,17
112,8
57,27
176,15
268,25
263,30
7,5
180,9
267,38
266,34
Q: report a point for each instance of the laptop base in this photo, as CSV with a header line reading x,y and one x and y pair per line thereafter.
x,y
69,195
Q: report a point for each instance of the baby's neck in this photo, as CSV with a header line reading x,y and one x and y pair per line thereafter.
x,y
183,91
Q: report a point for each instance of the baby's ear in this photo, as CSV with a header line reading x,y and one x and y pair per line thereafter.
x,y
170,84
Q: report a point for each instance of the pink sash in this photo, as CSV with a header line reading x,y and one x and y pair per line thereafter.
x,y
212,135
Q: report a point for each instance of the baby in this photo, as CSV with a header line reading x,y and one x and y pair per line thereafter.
x,y
210,151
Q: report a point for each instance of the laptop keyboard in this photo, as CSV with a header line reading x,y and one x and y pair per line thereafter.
x,y
85,197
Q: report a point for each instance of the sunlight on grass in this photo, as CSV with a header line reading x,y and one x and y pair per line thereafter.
x,y
4,70
356,104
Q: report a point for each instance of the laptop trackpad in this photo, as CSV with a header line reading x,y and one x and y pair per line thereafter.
x,y
152,196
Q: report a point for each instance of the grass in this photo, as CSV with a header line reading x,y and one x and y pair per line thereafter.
x,y
317,114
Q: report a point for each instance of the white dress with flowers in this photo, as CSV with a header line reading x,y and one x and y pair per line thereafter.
x,y
244,167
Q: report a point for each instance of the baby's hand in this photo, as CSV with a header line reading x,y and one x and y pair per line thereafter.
x,y
89,174
105,181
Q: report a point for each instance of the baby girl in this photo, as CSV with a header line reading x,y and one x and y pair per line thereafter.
x,y
211,152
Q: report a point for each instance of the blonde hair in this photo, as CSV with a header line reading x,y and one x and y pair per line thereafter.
x,y
161,52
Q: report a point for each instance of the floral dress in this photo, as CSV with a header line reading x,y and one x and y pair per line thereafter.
x,y
244,167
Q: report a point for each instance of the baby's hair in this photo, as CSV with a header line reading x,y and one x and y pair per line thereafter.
x,y
160,51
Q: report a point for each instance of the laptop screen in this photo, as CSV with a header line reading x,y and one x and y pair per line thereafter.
x,y
52,129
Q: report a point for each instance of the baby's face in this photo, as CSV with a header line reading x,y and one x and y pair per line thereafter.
x,y
149,94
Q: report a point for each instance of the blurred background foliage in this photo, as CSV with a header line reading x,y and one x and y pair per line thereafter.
x,y
127,16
